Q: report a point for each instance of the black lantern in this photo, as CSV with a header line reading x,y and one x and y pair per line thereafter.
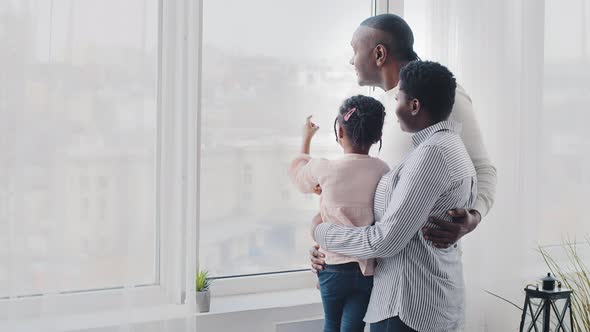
x,y
541,304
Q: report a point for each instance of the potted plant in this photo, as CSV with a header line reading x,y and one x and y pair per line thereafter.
x,y
575,275
203,293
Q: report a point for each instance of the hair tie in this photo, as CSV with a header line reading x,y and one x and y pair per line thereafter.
x,y
349,113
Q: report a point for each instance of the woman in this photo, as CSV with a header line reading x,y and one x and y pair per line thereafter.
x,y
417,287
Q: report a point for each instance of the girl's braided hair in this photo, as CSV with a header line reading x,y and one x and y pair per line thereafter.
x,y
362,119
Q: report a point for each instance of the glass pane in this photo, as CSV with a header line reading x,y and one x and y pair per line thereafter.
x,y
263,73
565,158
77,142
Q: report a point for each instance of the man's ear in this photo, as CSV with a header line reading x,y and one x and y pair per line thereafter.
x,y
380,54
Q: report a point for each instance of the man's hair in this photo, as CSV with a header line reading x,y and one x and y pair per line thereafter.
x,y
362,119
400,41
432,84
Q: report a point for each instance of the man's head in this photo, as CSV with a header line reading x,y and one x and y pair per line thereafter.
x,y
381,45
426,95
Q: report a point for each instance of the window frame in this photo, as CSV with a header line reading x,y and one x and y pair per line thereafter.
x,y
176,176
298,278
177,257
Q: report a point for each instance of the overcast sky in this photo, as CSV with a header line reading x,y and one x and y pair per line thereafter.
x,y
316,29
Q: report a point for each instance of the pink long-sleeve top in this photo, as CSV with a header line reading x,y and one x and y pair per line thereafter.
x,y
348,188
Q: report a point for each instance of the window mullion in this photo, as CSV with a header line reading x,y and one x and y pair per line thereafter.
x,y
180,63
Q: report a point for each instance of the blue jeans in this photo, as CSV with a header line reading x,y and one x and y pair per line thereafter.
x,y
345,296
393,324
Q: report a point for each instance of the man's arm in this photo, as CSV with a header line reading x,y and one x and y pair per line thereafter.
x,y
486,187
447,233
421,183
473,140
465,221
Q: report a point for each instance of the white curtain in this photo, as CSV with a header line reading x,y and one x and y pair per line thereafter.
x,y
78,140
525,64
87,224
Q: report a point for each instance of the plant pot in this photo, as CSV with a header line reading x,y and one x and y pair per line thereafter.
x,y
203,301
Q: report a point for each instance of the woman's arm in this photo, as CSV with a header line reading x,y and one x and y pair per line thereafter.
x,y
423,180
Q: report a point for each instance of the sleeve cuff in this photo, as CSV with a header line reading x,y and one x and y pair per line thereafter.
x,y
481,207
304,156
321,234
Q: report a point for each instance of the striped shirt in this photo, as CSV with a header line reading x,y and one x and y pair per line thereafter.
x,y
421,284
399,143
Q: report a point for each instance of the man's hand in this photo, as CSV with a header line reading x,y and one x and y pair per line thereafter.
x,y
448,233
317,259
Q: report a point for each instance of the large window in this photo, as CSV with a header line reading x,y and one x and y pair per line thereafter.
x,y
78,137
266,66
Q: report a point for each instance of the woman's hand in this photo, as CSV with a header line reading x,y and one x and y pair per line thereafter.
x,y
317,259
317,190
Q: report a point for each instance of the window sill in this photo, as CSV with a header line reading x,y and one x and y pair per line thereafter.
x,y
99,319
263,284
220,305
260,301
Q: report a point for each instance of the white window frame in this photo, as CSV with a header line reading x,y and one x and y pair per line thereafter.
x,y
179,95
280,281
388,6
179,35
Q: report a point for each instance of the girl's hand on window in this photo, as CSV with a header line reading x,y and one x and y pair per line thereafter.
x,y
309,129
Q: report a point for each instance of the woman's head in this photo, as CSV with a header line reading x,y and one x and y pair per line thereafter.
x,y
360,123
426,95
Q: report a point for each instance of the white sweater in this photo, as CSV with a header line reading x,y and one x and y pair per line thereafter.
x,y
397,144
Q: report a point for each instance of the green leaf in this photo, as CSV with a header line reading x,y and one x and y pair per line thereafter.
x,y
202,281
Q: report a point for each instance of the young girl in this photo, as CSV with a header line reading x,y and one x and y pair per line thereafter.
x,y
347,188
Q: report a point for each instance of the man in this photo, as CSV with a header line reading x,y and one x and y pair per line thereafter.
x,y
382,45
